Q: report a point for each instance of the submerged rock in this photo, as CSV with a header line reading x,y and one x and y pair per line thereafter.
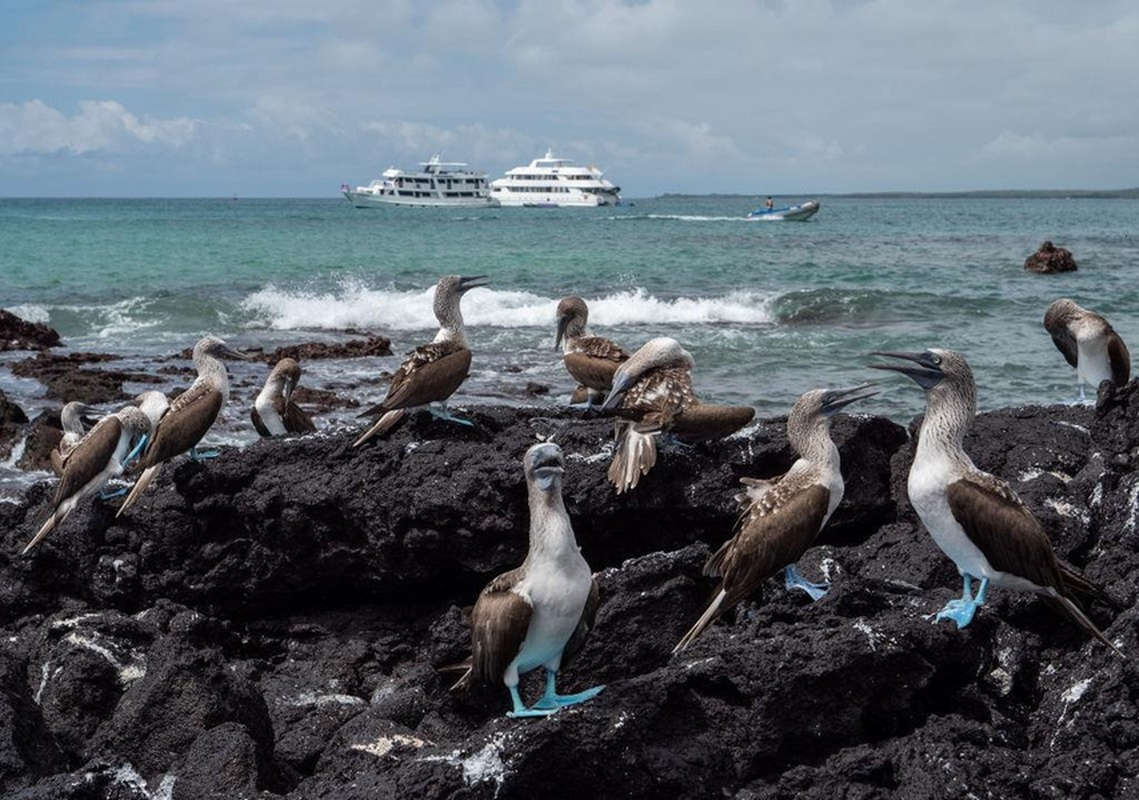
x,y
274,622
1050,258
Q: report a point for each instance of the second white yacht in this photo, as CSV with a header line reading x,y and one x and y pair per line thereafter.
x,y
553,182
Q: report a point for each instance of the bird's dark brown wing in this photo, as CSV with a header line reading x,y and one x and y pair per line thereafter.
x,y
709,421
1119,357
89,457
499,623
430,373
258,425
183,426
584,626
1004,530
770,539
297,420
596,373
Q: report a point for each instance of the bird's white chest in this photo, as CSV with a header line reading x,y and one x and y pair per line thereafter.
x,y
557,590
267,409
1092,363
928,481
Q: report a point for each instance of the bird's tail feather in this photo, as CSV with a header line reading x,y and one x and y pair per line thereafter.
x,y
1082,585
144,480
57,516
706,619
1073,612
385,423
635,455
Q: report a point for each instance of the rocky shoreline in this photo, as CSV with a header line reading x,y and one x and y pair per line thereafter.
x,y
271,624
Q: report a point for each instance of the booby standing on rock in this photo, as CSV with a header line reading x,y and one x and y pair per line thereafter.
x,y
432,372
190,415
71,419
590,360
1089,344
974,517
780,517
652,392
99,456
274,413
540,614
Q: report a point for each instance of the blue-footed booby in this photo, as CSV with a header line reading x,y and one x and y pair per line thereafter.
x,y
590,360
652,392
99,456
154,404
780,517
1089,344
540,614
431,372
274,413
190,415
974,517
72,420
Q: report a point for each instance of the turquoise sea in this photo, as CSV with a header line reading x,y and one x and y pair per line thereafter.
x,y
768,309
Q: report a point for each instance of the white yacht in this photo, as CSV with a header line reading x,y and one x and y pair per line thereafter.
x,y
554,182
438,183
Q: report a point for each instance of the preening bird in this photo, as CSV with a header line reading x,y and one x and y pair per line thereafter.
x,y
780,517
99,456
431,372
1089,344
72,420
274,413
590,360
652,393
540,614
189,416
975,517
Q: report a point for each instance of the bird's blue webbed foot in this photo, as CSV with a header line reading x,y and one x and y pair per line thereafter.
x,y
110,495
520,709
202,455
439,411
793,579
552,701
962,610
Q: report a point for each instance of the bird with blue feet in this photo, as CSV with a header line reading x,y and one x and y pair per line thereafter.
x,y
781,516
540,614
975,517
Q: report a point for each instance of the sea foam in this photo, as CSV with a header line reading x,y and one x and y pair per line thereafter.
x,y
354,305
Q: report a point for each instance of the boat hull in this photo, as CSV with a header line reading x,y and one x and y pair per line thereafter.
x,y
370,200
791,213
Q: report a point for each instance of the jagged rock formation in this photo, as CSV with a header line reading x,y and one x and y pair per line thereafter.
x,y
1050,258
271,624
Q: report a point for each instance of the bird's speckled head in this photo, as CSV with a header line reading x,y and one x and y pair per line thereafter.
x,y
942,373
813,410
573,316
134,421
545,466
213,346
449,290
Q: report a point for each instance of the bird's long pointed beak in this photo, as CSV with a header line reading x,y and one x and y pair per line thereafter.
x,y
225,351
621,383
924,376
563,323
468,282
837,399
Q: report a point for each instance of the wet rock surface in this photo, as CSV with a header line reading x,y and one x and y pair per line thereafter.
x,y
272,624
1049,259
19,334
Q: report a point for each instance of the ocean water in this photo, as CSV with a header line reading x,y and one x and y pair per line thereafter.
x,y
768,309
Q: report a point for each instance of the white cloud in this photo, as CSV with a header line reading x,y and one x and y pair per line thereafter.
x,y
99,125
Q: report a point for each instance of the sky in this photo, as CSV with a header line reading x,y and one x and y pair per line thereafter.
x,y
292,98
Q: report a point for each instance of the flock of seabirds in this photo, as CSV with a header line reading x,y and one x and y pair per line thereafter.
x,y
540,614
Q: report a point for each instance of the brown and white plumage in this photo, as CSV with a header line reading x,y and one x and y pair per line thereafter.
x,y
71,419
190,415
780,517
1088,343
975,517
274,413
652,392
432,372
154,404
540,614
590,360
97,458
